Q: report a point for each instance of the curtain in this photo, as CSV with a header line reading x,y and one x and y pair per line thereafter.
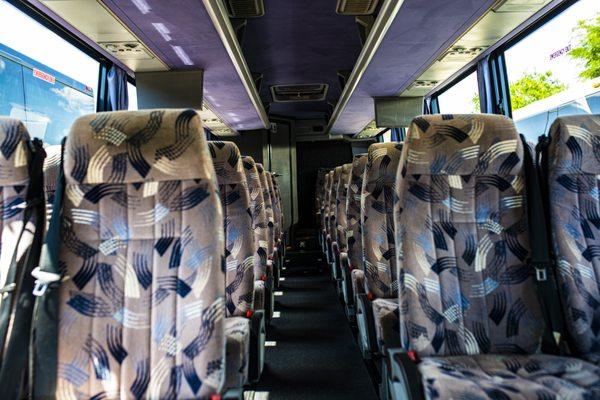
x,y
116,79
484,81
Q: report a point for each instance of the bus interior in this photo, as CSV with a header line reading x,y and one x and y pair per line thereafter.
x,y
300,199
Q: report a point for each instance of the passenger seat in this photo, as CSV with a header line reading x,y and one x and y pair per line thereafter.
x,y
573,178
471,323
341,226
352,274
244,326
377,310
140,306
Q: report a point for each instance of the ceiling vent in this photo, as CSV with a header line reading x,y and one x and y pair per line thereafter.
x,y
460,53
245,8
356,7
293,93
127,50
503,6
424,84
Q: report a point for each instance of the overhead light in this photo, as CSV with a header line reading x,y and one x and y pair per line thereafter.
x,y
300,92
182,55
163,30
142,5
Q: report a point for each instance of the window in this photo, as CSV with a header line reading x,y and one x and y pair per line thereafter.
x,y
47,90
545,78
132,96
386,136
460,98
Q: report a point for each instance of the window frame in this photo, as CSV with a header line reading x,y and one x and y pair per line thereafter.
x,y
454,80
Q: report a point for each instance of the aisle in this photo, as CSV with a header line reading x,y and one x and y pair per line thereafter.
x,y
315,356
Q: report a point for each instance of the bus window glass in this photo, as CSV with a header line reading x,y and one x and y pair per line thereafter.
x,y
386,136
462,97
132,96
546,78
47,90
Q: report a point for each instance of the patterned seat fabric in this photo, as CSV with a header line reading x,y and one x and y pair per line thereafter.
x,y
319,189
268,208
237,330
574,182
14,180
465,286
239,236
259,228
341,192
333,203
387,323
142,309
358,281
276,209
280,202
377,223
487,376
463,241
325,202
51,171
353,231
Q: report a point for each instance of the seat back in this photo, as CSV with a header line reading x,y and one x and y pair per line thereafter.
x,y
333,203
574,184
326,197
280,202
276,208
319,190
353,231
341,191
259,217
462,239
377,224
268,208
51,172
142,304
239,236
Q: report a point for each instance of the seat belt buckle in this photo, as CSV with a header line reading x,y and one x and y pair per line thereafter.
x,y
42,280
541,274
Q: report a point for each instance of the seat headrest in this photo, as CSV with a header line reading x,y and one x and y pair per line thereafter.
x,y
137,146
260,168
228,162
575,145
52,166
13,152
248,162
479,144
382,162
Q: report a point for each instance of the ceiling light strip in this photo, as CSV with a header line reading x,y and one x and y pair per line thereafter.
x,y
384,20
220,19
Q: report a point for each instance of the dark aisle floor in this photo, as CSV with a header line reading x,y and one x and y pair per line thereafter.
x,y
316,356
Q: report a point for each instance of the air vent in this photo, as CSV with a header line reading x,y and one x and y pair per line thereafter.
x,y
356,7
293,93
127,50
245,8
424,84
460,53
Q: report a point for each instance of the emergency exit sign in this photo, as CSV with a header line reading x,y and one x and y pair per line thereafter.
x,y
44,76
560,52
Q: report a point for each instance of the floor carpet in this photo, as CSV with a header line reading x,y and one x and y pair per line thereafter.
x,y
316,356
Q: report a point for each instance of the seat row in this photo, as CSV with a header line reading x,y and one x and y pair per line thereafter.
x,y
156,277
469,263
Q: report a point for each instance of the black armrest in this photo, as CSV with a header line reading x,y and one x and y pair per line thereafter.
x,y
366,308
257,346
347,279
405,380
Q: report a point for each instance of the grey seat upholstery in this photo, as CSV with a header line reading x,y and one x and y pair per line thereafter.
x,y
142,243
468,303
377,233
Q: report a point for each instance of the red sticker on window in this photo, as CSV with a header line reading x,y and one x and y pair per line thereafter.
x,y
44,76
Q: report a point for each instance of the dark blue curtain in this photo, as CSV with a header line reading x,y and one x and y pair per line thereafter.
x,y
397,134
116,79
484,81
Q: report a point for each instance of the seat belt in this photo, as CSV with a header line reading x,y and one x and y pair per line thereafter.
x,y
44,337
17,304
540,260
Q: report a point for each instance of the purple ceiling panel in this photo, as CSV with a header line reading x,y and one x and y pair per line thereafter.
x,y
420,32
300,41
181,33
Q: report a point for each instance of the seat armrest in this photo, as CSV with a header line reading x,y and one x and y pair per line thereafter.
x,y
346,279
404,379
257,346
365,311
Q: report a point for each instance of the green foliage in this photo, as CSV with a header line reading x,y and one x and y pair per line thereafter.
x,y
588,50
530,88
